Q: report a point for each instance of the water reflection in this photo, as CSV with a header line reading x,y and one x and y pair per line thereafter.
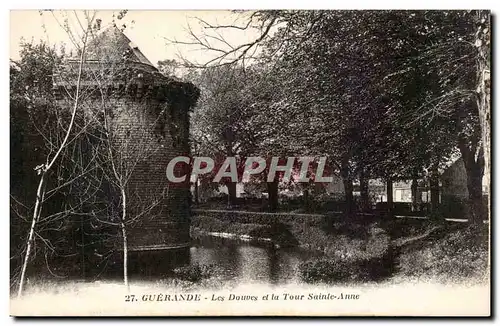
x,y
245,262
235,260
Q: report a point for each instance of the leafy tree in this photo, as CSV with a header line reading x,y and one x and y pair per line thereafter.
x,y
393,129
221,121
169,67
389,94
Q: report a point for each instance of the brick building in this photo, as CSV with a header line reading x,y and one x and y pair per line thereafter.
x,y
146,118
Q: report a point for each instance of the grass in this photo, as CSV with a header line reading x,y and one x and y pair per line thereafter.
x,y
453,256
212,224
196,273
353,251
364,251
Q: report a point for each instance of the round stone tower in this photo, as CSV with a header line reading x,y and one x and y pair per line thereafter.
x,y
146,116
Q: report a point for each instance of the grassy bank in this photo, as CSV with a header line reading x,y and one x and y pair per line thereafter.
x,y
365,250
450,255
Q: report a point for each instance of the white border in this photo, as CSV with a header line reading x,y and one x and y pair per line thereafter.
x,y
179,5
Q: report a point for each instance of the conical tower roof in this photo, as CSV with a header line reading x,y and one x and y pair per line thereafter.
x,y
113,45
123,67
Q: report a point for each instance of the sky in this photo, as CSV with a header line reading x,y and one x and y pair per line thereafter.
x,y
149,30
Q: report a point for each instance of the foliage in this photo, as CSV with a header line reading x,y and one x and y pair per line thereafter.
x,y
169,67
37,129
196,272
386,94
447,258
339,70
349,268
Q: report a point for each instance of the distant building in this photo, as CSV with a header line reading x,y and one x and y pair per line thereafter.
x,y
454,181
335,187
453,184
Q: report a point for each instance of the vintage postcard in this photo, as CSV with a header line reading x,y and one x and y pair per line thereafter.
x,y
250,163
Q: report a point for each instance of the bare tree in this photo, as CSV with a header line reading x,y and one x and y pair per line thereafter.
x,y
45,168
212,39
123,156
128,141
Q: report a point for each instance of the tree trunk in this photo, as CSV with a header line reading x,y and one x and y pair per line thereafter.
x,y
125,255
307,200
124,238
44,170
36,214
483,44
416,196
272,189
434,188
348,188
82,231
196,191
349,197
474,169
231,193
363,187
390,197
475,189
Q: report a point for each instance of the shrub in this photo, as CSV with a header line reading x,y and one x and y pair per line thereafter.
x,y
195,273
350,268
453,207
460,254
279,233
325,270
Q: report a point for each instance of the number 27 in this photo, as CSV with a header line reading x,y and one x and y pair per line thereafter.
x,y
129,298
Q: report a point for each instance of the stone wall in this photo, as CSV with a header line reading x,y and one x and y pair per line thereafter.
x,y
144,145
146,119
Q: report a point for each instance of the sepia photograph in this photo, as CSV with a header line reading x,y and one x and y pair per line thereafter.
x,y
250,163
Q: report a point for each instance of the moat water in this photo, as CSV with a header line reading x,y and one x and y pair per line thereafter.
x,y
245,262
244,270
229,261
